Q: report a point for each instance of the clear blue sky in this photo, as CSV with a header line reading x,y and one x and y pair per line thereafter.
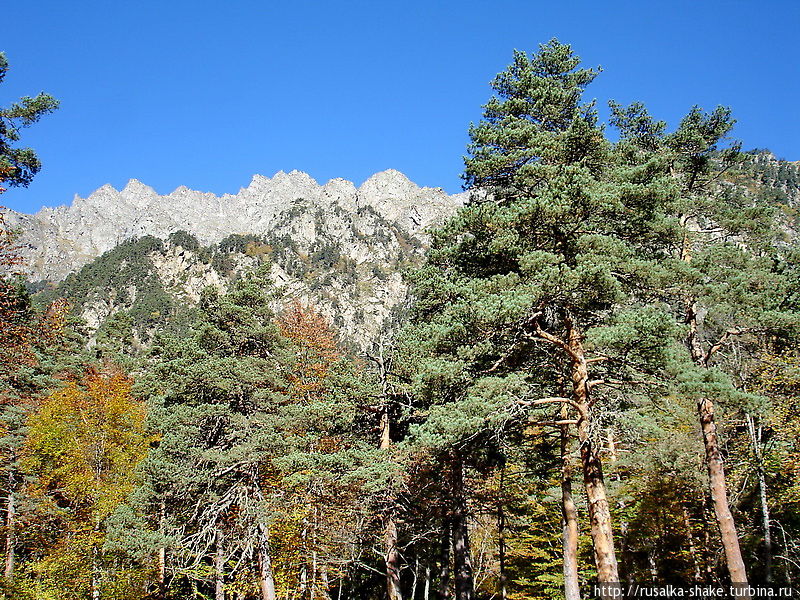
x,y
205,94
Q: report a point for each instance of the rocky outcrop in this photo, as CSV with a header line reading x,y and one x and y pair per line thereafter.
x,y
60,240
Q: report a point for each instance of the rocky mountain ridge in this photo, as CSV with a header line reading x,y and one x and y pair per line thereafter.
x,y
134,256
60,240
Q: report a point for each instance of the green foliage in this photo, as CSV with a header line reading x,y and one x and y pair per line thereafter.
x,y
238,242
126,276
184,239
19,165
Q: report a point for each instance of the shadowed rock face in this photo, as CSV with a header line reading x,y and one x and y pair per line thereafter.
x,y
60,240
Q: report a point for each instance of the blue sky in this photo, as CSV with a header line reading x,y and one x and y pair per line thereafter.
x,y
205,94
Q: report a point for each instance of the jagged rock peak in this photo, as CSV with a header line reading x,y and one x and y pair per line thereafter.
x,y
339,184
387,183
103,190
282,179
134,186
63,239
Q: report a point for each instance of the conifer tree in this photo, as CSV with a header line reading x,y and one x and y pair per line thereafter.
x,y
733,276
255,484
213,400
19,165
536,286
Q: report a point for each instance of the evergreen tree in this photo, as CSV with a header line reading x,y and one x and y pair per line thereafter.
x,y
19,165
255,483
536,294
732,279
213,398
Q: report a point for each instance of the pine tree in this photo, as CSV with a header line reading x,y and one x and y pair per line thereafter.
x,y
536,294
732,277
213,398
19,165
256,484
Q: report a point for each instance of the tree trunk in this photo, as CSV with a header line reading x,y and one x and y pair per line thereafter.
x,y
612,445
716,470
416,578
162,555
314,572
462,561
326,583
390,527
392,560
11,522
501,541
444,559
767,536
386,438
219,567
599,512
755,438
626,574
95,574
690,539
266,580
426,593
708,553
162,573
719,493
569,515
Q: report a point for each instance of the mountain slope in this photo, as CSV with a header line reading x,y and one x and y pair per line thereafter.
x,y
61,240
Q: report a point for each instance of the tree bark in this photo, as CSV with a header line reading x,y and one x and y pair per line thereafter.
x,y
392,557
462,559
427,590
501,539
162,555
162,573
755,439
612,445
598,508
569,515
219,567
386,439
266,580
444,559
716,470
95,574
707,552
11,522
719,493
392,560
692,549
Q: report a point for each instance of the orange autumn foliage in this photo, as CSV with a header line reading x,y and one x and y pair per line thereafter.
x,y
315,346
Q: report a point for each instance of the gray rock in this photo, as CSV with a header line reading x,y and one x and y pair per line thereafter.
x,y
60,240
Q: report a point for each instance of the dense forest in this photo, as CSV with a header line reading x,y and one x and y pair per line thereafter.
x,y
594,381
